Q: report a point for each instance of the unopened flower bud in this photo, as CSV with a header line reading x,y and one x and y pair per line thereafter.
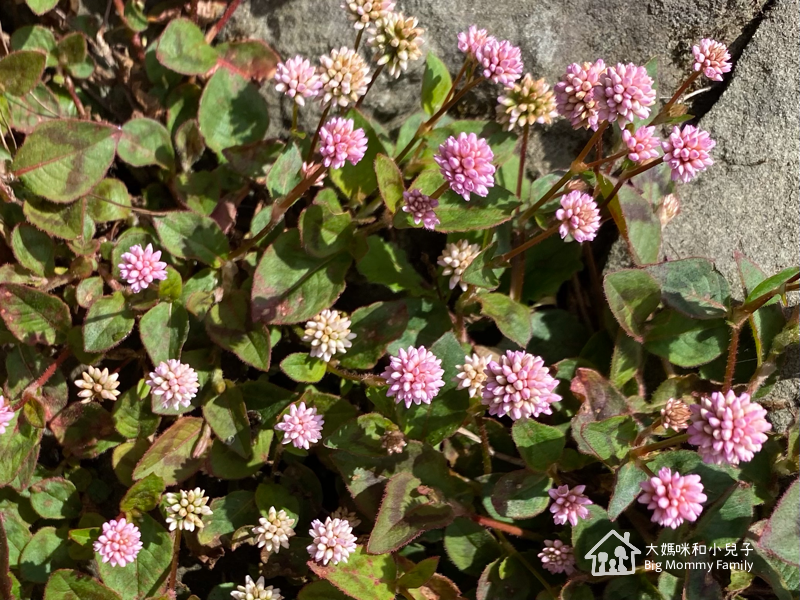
x,y
675,415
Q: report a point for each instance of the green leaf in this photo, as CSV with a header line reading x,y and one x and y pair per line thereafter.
x,y
376,326
638,224
588,532
781,534
163,329
686,342
254,160
455,213
143,496
323,232
72,54
521,494
303,368
272,494
74,585
363,576
189,144
321,590
227,464
189,235
286,173
252,59
227,416
15,536
232,112
228,514
693,287
470,546
557,334
386,264
627,485
20,72
65,221
539,445
35,37
24,365
64,159
55,498
362,436
172,455
145,576
146,142
359,181
480,271
107,323
132,415
772,284
47,551
633,295
726,521
627,360
289,286
183,49
109,201
390,182
33,316
419,574
41,6
436,84
228,325
512,318
547,266
610,439
600,400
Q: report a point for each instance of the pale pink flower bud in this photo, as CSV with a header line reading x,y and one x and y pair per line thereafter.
x,y
140,267
569,504
340,142
119,543
455,259
675,415
466,163
673,497
298,79
579,217
712,58
669,208
397,41
470,41
527,102
301,426
414,376
625,92
500,61
728,429
519,385
333,541
557,557
345,76
643,144
364,12
256,590
686,152
6,413
575,94
175,382
421,208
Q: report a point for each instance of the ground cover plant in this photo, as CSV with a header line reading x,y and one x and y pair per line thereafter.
x,y
348,362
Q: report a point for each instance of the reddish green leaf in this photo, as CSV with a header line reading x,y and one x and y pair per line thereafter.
x,y
363,576
34,317
182,48
172,455
21,71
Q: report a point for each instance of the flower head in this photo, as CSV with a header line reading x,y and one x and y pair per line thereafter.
x,y
97,385
557,557
519,385
298,79
569,504
119,543
669,208
140,267
470,41
333,541
500,61
728,428
6,413
625,92
575,94
340,142
185,510
472,374
673,497
642,144
364,12
329,333
301,426
712,58
686,152
455,259
579,217
255,590
414,376
175,382
274,531
527,102
421,207
345,76
393,441
343,514
397,41
466,163
675,415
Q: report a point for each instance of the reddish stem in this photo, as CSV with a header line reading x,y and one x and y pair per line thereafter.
x,y
223,20
505,527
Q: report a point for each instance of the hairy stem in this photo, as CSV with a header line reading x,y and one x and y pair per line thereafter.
x,y
173,573
529,244
518,263
315,139
369,86
673,441
485,449
223,20
505,527
733,350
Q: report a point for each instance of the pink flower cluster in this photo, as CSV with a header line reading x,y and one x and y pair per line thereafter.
x,y
579,217
175,383
519,385
673,497
414,376
140,267
500,61
421,208
466,163
340,142
626,92
642,144
333,541
712,58
569,504
119,543
575,94
301,426
728,429
686,152
298,79
557,557
470,41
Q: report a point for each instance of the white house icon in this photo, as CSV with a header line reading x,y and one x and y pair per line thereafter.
x,y
622,563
